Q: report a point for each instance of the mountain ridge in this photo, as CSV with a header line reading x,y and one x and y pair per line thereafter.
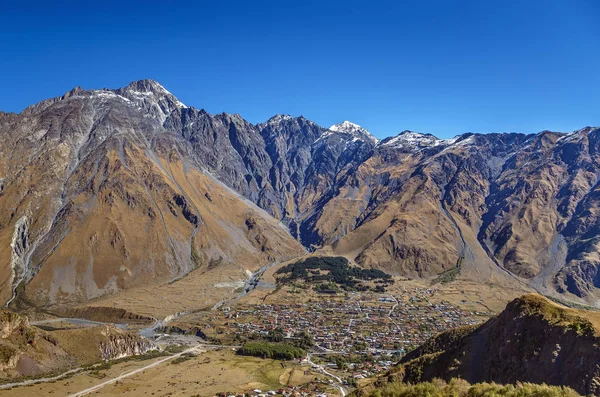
x,y
150,83
501,208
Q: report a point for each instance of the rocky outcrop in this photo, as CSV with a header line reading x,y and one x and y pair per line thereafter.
x,y
11,323
532,340
9,358
118,344
28,350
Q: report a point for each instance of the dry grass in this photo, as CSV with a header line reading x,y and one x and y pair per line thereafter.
x,y
578,320
461,388
204,374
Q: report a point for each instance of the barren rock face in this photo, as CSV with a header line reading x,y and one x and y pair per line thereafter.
x,y
103,190
116,344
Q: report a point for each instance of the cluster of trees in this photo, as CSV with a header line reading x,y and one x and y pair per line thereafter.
x,y
327,270
325,287
279,351
302,339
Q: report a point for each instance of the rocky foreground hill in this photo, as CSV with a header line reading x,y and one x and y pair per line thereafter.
x,y
27,350
105,190
533,340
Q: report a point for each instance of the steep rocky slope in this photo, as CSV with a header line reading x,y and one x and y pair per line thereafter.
x,y
106,190
532,340
98,196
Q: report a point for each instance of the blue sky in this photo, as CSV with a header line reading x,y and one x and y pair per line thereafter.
x,y
443,67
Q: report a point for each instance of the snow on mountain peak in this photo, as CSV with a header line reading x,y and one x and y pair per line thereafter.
x,y
107,94
150,90
412,139
152,97
278,118
348,127
416,141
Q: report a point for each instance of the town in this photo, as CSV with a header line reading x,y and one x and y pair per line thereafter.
x,y
356,335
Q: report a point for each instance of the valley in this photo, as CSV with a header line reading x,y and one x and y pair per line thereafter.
x,y
151,248
367,331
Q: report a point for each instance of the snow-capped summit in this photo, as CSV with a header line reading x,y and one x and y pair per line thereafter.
x,y
151,96
415,141
348,127
151,88
412,140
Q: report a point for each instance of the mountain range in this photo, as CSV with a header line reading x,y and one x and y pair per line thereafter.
x,y
104,190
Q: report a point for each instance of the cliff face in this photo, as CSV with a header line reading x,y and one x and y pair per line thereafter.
x,y
532,340
11,323
118,344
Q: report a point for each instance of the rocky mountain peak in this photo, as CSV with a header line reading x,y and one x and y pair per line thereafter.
x,y
348,127
152,97
278,118
75,91
577,134
147,85
412,140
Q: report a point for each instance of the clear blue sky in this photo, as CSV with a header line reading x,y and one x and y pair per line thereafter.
x,y
444,67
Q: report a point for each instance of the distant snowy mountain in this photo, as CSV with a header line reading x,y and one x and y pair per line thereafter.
x,y
413,141
355,130
410,139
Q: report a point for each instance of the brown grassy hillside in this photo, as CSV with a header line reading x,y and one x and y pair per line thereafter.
x,y
532,340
